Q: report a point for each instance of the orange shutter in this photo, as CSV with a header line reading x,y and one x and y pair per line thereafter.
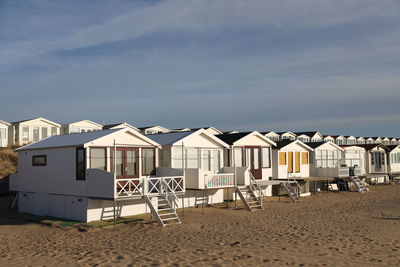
x,y
304,158
290,162
282,158
297,161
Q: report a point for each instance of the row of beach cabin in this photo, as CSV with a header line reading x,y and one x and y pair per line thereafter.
x,y
95,174
24,132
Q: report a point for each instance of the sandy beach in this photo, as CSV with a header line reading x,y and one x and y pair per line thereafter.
x,y
335,229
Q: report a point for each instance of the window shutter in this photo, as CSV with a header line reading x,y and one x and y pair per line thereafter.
x,y
304,158
282,158
297,161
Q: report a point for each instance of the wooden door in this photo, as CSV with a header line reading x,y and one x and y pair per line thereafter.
x,y
297,162
126,162
253,160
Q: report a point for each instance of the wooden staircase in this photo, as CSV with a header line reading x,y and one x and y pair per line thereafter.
x,y
292,192
164,213
249,198
359,184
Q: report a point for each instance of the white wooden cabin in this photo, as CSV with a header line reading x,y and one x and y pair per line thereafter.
x,y
4,127
329,138
199,157
378,140
119,126
394,156
211,130
354,158
251,150
33,130
153,129
326,160
80,127
361,140
369,140
394,141
350,140
340,140
310,136
81,176
290,159
287,136
272,136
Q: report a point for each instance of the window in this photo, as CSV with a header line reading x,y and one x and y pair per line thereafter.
x,y
177,157
256,158
80,164
39,160
44,132
53,131
282,158
206,160
192,158
238,156
304,158
25,133
327,158
216,160
148,156
75,130
35,134
266,162
98,158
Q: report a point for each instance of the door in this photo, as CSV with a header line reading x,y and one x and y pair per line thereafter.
x,y
290,162
377,161
253,161
126,162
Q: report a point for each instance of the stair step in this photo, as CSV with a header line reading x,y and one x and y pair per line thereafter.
x,y
164,209
167,214
169,219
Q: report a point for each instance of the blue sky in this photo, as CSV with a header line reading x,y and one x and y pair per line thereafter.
x,y
328,65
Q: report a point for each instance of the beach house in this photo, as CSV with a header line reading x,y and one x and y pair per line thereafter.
x,y
310,136
272,136
80,127
350,140
32,130
4,126
361,140
153,129
119,126
287,135
329,138
394,159
94,176
210,129
355,159
326,160
376,163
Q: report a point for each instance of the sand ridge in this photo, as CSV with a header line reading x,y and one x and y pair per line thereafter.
x,y
335,229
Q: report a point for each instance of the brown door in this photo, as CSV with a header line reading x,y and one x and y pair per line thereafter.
x,y
253,160
126,162
290,162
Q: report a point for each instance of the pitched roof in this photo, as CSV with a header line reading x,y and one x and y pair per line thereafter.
x,y
318,144
371,146
67,140
40,118
391,147
285,142
309,133
109,126
168,138
231,138
5,123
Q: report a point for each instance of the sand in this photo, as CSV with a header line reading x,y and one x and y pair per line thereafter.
x,y
335,229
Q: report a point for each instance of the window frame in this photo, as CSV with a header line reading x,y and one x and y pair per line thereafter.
x,y
105,157
262,157
154,161
39,156
78,177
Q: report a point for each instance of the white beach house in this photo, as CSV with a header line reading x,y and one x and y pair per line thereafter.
x,y
254,151
287,135
394,156
80,127
94,176
361,140
32,130
355,159
310,136
4,128
119,126
153,129
272,136
326,160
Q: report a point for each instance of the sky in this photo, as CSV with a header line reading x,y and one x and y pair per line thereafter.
x,y
327,65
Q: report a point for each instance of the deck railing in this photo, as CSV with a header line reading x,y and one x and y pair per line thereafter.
x,y
219,180
343,171
154,186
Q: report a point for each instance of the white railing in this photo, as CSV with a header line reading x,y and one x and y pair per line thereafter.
x,y
219,180
290,177
256,187
357,171
153,186
128,187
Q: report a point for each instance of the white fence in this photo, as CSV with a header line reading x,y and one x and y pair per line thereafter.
x,y
154,186
219,180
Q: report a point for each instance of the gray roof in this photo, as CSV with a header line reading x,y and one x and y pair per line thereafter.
x,y
75,139
168,138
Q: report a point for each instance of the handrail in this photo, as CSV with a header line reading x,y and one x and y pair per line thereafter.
x,y
167,187
295,181
256,187
219,180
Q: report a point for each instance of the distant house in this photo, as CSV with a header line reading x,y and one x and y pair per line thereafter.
x,y
350,140
32,130
211,130
377,140
287,135
310,136
119,126
329,138
272,136
80,127
386,141
4,126
153,129
340,140
180,130
361,140
369,140
394,141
